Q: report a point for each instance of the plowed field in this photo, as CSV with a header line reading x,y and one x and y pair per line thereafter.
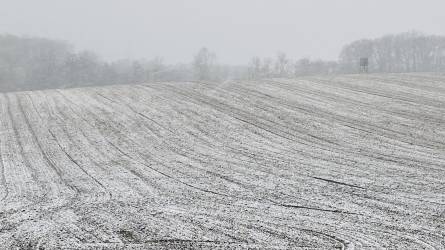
x,y
347,162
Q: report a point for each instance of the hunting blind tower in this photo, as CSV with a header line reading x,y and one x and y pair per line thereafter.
x,y
364,65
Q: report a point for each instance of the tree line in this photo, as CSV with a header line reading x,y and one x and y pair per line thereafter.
x,y
399,53
406,52
28,63
282,66
37,63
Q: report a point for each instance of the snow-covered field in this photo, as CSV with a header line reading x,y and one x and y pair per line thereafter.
x,y
345,162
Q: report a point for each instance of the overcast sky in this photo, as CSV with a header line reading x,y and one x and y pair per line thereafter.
x,y
235,30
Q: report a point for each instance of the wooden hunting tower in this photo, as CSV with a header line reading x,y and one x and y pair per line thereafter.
x,y
364,65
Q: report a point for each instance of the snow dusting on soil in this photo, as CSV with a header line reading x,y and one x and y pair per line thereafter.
x,y
346,162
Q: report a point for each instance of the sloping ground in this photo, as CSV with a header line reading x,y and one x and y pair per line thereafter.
x,y
345,162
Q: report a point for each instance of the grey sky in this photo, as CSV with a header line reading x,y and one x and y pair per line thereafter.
x,y
235,29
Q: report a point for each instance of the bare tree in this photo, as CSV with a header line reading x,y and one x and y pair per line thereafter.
x,y
203,64
266,69
282,65
254,68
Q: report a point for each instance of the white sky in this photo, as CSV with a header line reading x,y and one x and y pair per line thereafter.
x,y
235,30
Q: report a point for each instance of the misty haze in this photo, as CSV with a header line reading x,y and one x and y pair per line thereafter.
x,y
287,124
